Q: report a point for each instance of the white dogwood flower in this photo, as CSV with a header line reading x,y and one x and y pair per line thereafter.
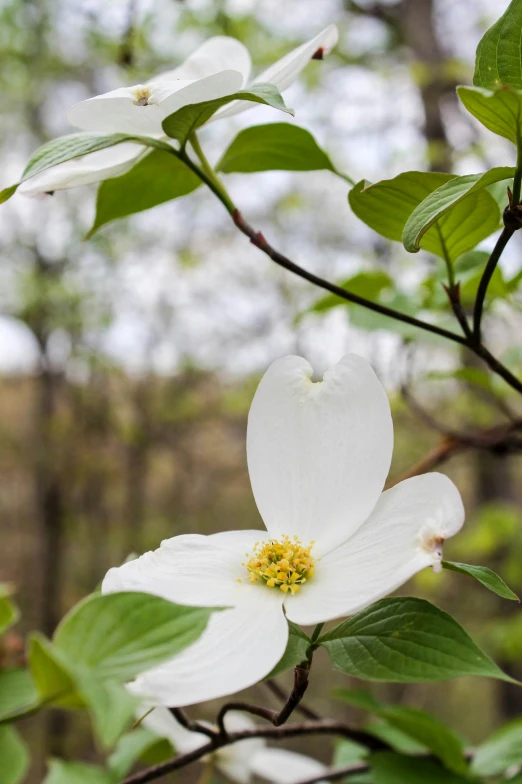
x,y
221,66
318,456
242,760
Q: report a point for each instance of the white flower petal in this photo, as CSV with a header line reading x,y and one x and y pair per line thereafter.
x,y
284,767
161,722
403,535
94,167
217,54
318,453
238,648
285,71
195,570
206,89
117,111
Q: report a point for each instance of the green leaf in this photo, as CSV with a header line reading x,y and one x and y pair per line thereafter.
x,y
348,751
276,146
185,121
390,768
429,732
61,772
386,206
65,148
364,284
296,650
9,614
499,111
397,740
131,748
500,752
425,730
111,706
486,576
52,674
499,53
18,694
157,178
14,756
121,634
406,640
455,195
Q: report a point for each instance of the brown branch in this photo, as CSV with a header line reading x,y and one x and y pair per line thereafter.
x,y
278,692
323,727
193,726
277,718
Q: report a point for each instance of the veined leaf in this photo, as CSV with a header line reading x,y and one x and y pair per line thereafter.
x,y
74,145
501,751
276,146
121,634
133,746
445,199
486,576
18,694
499,111
499,53
406,640
157,178
185,121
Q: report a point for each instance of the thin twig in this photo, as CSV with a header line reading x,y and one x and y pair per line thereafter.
x,y
323,727
278,692
194,726
489,269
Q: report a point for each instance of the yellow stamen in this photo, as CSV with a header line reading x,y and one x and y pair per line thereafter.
x,y
283,564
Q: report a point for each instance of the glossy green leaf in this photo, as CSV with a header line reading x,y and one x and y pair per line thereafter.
x,y
500,752
133,746
365,284
406,640
61,772
185,121
65,148
499,111
14,757
121,634
429,732
390,768
296,649
157,178
18,693
486,576
499,53
396,739
52,674
448,197
276,146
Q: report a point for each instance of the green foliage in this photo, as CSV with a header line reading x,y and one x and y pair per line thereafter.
x,y
65,148
134,746
454,195
9,613
104,642
296,649
185,121
406,640
390,768
500,111
485,576
389,205
365,284
157,178
17,693
122,634
14,758
347,751
61,772
500,752
499,53
275,146
424,730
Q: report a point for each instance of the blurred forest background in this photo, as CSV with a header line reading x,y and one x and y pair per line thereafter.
x,y
128,362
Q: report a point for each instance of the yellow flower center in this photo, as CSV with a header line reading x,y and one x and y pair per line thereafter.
x,y
283,564
142,95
